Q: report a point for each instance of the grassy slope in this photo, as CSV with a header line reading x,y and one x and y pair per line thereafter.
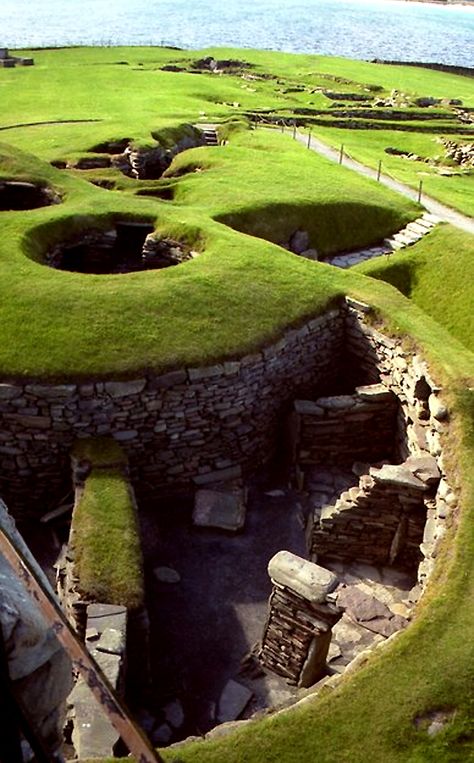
x,y
126,91
240,293
368,146
370,718
436,275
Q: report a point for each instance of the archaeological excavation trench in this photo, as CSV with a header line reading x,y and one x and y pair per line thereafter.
x,y
327,445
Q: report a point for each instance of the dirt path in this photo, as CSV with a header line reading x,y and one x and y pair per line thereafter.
x,y
435,207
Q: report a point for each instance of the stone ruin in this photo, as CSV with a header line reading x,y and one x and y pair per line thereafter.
x,y
8,61
126,248
387,431
22,195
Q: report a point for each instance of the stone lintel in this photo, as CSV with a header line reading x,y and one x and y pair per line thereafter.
x,y
397,476
307,579
221,475
308,408
374,391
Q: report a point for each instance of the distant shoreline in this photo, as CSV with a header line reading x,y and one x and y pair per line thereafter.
x,y
467,3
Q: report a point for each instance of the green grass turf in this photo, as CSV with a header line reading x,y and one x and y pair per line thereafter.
x,y
238,294
125,91
368,146
104,529
435,274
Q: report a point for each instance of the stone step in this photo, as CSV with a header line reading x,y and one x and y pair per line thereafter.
x,y
431,218
418,228
393,244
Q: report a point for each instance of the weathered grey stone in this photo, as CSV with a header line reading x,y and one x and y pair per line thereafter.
x,y
374,392
174,714
166,575
308,408
220,475
118,389
52,391
307,579
223,509
315,663
112,641
299,241
10,391
126,435
398,476
93,735
233,701
360,606
208,372
336,402
161,735
437,408
171,379
425,468
102,616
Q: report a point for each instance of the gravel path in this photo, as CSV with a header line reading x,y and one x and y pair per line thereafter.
x,y
440,210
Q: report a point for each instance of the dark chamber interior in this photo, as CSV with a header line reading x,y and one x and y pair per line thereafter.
x,y
126,248
16,195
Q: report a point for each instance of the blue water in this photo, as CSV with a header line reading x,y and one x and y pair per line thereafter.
x,y
355,28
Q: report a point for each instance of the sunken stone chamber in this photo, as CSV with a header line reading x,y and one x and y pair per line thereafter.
x,y
18,195
125,248
193,425
197,426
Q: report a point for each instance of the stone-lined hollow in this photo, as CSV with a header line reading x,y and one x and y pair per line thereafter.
x,y
124,248
20,195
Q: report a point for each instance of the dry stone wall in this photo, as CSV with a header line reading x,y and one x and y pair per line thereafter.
x,y
194,424
346,428
397,514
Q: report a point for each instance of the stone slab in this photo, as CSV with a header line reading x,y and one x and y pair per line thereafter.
x,y
221,475
307,579
398,476
224,510
233,701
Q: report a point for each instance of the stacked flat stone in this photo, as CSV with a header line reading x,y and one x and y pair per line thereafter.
x,y
421,421
297,633
193,425
407,236
379,522
346,428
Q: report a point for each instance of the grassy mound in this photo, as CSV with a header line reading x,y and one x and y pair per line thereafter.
x,y
436,275
240,292
104,529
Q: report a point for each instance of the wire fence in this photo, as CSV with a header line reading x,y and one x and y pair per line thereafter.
x,y
285,124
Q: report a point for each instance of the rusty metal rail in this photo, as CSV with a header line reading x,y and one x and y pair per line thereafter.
x,y
82,661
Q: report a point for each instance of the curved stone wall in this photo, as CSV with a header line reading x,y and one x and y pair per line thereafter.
x,y
194,424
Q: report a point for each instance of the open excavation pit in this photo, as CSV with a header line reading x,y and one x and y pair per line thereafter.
x,y
127,247
20,195
347,416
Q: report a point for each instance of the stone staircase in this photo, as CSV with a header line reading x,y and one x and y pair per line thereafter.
x,y
409,235
209,133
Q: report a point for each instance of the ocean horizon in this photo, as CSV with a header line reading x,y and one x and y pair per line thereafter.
x,y
364,29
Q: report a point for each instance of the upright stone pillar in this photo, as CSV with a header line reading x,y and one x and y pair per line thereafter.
x,y
298,629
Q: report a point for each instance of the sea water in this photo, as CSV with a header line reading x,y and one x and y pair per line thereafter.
x,y
366,29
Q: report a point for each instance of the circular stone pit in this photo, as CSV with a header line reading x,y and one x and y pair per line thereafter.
x,y
125,248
